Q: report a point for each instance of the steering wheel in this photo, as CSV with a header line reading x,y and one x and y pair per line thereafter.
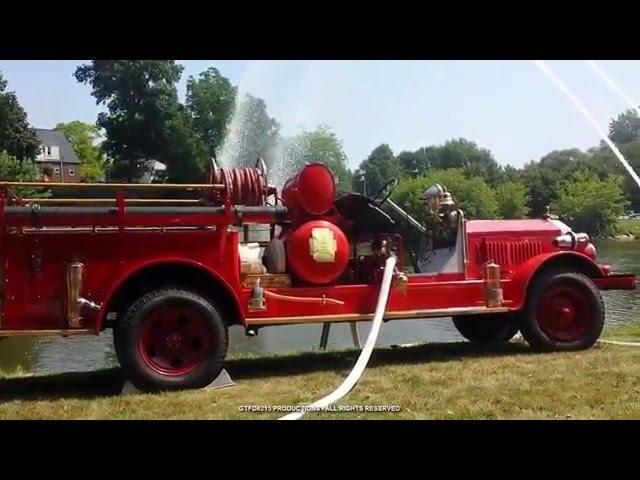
x,y
385,192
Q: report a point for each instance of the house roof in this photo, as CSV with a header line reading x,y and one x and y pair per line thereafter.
x,y
55,137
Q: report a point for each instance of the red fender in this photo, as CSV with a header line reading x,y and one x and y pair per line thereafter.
x,y
516,288
128,274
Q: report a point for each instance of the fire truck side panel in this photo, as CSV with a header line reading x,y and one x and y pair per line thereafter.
x,y
420,294
36,264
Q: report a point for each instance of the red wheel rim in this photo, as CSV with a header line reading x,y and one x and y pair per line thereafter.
x,y
174,340
564,314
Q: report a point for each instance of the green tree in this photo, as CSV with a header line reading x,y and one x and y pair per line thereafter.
x,y
416,163
631,152
590,204
17,138
455,153
14,170
479,162
474,197
144,120
510,174
210,101
83,138
543,178
512,200
319,145
379,167
625,127
603,163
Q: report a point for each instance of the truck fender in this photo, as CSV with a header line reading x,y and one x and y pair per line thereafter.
x,y
223,286
517,287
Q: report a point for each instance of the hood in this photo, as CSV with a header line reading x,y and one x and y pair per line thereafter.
x,y
508,227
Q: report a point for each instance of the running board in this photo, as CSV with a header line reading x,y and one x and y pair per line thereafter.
x,y
42,333
404,315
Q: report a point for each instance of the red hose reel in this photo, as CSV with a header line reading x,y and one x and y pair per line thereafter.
x,y
242,185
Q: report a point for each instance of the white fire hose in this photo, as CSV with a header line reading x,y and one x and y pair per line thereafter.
x,y
365,354
622,344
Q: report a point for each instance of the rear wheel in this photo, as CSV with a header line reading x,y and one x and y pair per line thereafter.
x,y
564,311
491,328
171,339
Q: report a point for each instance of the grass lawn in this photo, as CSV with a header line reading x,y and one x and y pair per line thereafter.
x,y
443,381
628,227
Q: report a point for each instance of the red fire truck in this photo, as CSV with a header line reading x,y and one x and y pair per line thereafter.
x,y
169,275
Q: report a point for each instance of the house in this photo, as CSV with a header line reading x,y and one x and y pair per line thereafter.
x,y
56,161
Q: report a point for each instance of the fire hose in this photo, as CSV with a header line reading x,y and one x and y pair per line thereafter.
x,y
244,186
358,369
288,298
622,344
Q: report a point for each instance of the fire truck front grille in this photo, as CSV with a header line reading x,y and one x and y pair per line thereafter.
x,y
507,253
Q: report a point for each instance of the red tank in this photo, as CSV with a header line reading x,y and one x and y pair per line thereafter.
x,y
318,252
311,192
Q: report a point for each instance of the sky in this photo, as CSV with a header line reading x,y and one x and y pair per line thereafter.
x,y
508,107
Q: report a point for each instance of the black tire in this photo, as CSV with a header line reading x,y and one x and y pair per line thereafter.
x,y
116,333
153,329
564,311
486,329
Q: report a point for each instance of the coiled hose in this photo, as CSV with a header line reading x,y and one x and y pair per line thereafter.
x,y
244,185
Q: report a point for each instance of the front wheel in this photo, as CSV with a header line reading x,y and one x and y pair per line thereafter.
x,y
171,339
490,328
564,311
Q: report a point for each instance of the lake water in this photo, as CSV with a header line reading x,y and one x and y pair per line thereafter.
x,y
56,355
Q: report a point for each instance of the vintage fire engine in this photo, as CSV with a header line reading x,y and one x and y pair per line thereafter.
x,y
169,275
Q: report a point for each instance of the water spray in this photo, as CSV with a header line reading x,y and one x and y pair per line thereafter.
x,y
578,104
560,84
631,103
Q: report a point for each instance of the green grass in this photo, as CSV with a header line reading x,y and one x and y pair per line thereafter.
x,y
630,333
443,381
628,227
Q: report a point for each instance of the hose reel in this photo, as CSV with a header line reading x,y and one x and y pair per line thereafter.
x,y
243,185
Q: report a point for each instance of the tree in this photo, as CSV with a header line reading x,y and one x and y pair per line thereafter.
x,y
511,174
17,138
625,127
13,169
144,120
631,152
455,153
210,101
474,197
252,134
416,163
542,178
512,200
83,138
479,162
379,167
319,145
590,204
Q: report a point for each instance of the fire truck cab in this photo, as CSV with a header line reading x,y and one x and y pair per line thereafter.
x,y
169,275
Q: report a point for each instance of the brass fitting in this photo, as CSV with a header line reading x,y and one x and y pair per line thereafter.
x,y
493,288
75,274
